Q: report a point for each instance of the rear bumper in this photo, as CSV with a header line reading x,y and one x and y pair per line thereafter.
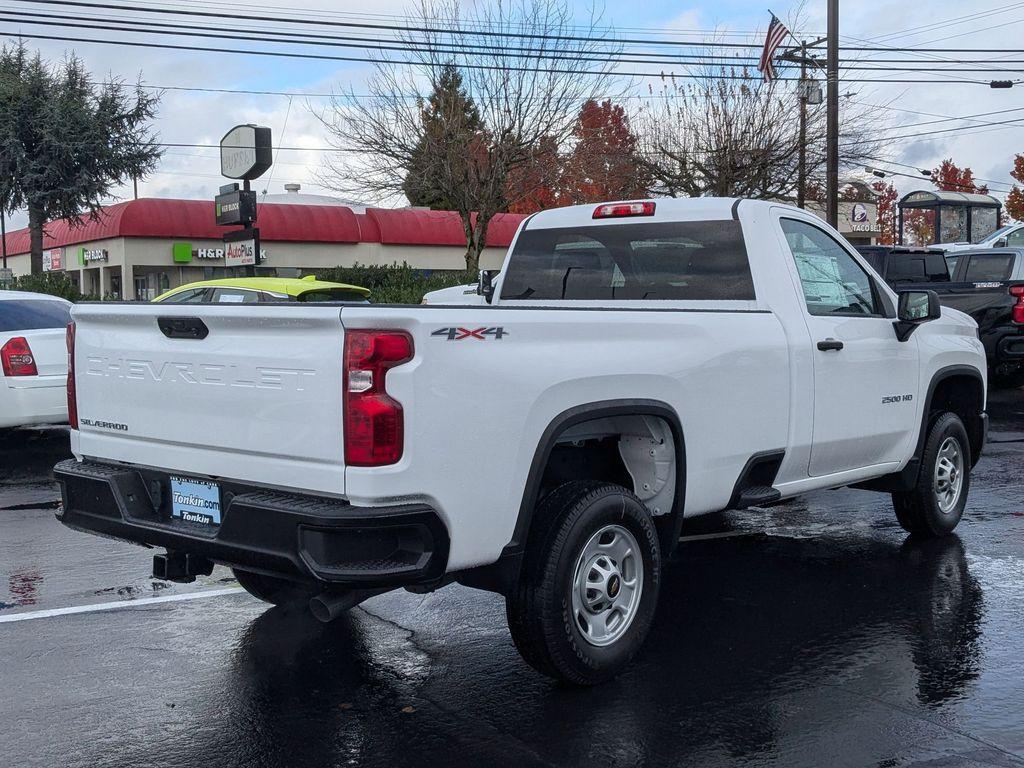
x,y
303,538
36,404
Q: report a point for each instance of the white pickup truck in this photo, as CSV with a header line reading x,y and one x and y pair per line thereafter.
x,y
634,364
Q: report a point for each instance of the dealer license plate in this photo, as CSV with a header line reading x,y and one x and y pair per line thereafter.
x,y
196,501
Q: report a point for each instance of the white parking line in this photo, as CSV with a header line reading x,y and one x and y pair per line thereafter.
x,y
28,615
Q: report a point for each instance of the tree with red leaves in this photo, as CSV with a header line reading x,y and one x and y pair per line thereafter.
x,y
603,164
951,178
1015,199
533,186
886,211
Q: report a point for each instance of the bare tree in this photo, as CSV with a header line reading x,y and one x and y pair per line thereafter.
x,y
727,133
525,66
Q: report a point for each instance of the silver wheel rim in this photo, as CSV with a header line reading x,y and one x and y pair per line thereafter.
x,y
607,585
949,475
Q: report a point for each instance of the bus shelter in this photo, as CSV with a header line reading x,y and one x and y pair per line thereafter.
x,y
928,218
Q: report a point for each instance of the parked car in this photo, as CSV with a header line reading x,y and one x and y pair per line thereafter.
x,y
988,285
34,358
1010,236
654,360
248,290
904,267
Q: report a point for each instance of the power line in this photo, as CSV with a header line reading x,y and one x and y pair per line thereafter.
x,y
388,27
344,41
485,67
470,32
183,30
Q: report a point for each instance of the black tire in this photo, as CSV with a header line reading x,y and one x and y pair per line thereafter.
x,y
272,590
540,610
918,510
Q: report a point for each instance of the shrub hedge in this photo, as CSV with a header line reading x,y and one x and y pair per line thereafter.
x,y
396,283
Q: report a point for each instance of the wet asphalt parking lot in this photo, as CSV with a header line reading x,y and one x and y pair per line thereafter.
x,y
809,634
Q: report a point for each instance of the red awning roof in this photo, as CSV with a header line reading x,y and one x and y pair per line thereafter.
x,y
194,219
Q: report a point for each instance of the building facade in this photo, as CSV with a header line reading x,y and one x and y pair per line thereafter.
x,y
140,248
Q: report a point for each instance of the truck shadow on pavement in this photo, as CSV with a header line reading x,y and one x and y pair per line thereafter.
x,y
762,646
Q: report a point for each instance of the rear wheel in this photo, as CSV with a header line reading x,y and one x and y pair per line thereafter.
x,y
589,586
937,501
272,590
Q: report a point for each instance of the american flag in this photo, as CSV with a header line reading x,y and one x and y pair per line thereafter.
x,y
777,32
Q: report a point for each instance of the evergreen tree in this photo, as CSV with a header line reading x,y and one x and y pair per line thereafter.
x,y
450,120
66,141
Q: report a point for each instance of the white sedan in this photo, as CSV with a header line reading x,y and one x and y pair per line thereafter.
x,y
34,359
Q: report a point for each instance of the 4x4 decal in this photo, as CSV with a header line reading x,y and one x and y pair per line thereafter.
x,y
458,334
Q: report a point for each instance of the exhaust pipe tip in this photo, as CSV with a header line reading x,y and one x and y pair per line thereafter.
x,y
320,607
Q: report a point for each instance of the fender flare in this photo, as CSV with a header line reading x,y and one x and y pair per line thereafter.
x,y
669,530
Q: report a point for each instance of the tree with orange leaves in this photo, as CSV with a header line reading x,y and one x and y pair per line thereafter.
x,y
1015,199
603,163
886,211
951,178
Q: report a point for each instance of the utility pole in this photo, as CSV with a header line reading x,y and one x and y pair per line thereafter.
x,y
832,118
807,95
801,171
3,235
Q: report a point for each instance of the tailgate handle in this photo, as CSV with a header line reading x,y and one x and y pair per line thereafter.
x,y
183,327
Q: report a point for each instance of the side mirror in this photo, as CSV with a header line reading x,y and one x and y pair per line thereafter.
x,y
485,284
1000,243
915,308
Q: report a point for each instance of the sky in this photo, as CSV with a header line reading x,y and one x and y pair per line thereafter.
x,y
189,117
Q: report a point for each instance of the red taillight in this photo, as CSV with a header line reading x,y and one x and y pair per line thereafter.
x,y
17,358
1017,291
618,210
374,430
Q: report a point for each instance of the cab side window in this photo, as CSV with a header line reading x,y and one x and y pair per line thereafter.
x,y
989,267
833,282
192,296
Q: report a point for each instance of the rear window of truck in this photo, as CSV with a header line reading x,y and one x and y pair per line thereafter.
x,y
33,314
621,262
917,268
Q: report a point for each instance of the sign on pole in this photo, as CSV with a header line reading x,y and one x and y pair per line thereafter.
x,y
242,248
246,152
235,207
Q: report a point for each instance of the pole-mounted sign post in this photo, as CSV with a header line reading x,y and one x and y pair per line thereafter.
x,y
246,153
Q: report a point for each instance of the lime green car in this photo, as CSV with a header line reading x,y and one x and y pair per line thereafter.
x,y
249,290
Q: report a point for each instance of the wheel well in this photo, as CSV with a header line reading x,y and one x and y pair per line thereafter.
x,y
963,395
638,451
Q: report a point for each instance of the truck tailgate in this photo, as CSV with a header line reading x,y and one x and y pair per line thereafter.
x,y
257,399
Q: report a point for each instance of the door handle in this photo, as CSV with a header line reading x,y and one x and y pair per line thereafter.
x,y
830,345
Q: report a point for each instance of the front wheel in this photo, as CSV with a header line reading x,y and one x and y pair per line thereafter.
x,y
589,586
937,501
